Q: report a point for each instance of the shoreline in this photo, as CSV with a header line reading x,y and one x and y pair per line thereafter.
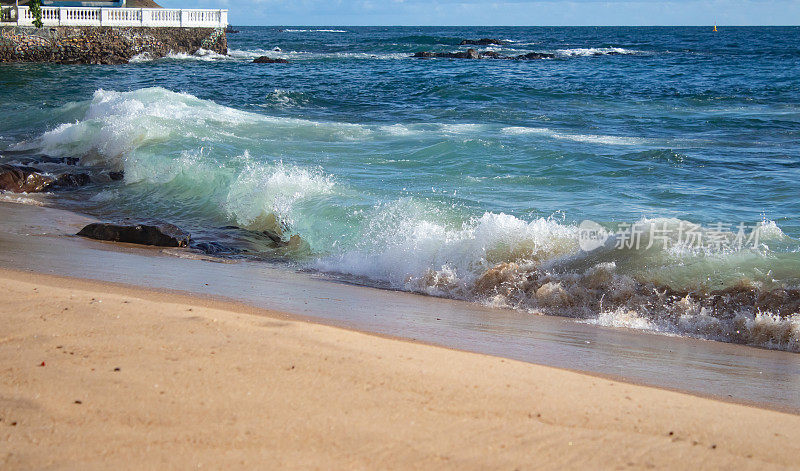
x,y
200,382
233,305
40,239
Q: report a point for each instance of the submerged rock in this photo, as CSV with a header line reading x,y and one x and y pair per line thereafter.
x,y
215,248
71,180
269,60
162,235
482,42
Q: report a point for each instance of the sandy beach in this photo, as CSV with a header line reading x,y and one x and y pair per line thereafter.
x,y
102,376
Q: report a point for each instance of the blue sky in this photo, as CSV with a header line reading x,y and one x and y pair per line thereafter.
x,y
511,13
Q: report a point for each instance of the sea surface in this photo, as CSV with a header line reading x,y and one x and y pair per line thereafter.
x,y
643,178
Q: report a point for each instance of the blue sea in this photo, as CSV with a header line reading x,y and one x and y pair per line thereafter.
x,y
642,178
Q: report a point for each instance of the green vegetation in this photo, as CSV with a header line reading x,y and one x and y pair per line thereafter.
x,y
36,11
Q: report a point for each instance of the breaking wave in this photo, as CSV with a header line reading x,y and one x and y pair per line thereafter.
x,y
193,160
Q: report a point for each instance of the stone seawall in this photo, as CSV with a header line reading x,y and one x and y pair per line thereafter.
x,y
103,45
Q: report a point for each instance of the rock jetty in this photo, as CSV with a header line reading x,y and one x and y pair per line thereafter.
x,y
104,44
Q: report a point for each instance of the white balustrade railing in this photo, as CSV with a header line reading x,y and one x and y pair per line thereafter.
x,y
151,17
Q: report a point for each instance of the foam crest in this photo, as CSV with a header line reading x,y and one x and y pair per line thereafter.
x,y
407,245
117,123
148,123
588,138
264,197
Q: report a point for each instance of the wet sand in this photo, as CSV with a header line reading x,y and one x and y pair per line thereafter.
x,y
41,240
99,376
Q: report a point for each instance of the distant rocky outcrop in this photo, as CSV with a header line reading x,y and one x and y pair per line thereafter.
x,y
468,54
473,54
162,234
103,44
482,42
533,56
269,60
23,179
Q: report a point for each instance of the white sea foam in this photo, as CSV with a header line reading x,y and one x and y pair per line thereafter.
x,y
116,124
588,138
596,51
249,55
407,247
201,55
397,130
204,55
262,192
286,98
314,31
21,199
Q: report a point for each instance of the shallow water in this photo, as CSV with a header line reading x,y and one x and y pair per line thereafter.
x,y
463,179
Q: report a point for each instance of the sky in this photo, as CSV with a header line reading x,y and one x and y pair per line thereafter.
x,y
508,13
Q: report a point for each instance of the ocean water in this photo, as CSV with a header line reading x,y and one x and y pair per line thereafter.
x,y
644,178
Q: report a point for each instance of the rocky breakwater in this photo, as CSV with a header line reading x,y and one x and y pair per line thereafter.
x,y
104,45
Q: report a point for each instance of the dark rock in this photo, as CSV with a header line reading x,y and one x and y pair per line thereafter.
x,y
468,54
19,179
269,60
275,238
215,248
473,54
116,176
534,56
482,42
238,235
492,55
230,30
162,235
71,180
